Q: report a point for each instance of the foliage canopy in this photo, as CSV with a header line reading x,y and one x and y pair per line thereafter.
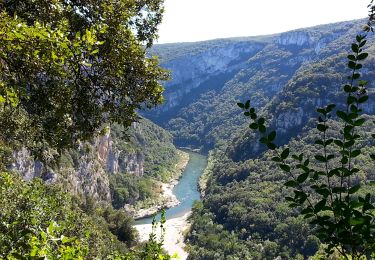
x,y
68,67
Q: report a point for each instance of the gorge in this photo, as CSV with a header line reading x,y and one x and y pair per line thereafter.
x,y
286,76
124,174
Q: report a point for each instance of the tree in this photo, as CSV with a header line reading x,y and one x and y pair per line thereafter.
x,y
325,188
68,67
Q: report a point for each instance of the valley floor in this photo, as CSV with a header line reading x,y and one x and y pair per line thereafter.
x,y
174,230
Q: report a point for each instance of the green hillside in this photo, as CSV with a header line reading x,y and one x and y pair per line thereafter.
x,y
286,76
210,78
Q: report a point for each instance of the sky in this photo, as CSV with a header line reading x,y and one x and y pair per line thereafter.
x,y
197,20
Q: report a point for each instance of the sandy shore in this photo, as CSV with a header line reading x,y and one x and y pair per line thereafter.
x,y
174,239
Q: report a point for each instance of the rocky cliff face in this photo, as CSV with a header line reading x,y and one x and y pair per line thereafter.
x,y
85,171
118,161
88,171
299,38
190,71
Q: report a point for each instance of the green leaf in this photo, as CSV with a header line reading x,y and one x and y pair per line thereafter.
x,y
349,143
290,199
355,204
306,163
362,56
321,127
247,104
321,111
344,160
362,44
338,189
94,51
271,146
284,167
355,47
291,184
356,76
300,196
320,205
302,178
263,140
272,136
64,239
362,83
320,158
356,221
285,153
330,107
253,126
342,115
324,192
352,65
307,211
329,141
355,153
262,129
241,105
351,100
333,172
309,215
51,228
354,189
351,57
363,99
348,88
295,157
359,38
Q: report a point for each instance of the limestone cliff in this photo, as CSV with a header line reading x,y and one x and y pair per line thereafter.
x,y
209,77
85,171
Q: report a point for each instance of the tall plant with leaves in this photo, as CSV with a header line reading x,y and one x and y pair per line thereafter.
x,y
153,249
325,188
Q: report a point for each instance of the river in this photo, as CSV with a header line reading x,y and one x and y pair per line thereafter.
x,y
186,190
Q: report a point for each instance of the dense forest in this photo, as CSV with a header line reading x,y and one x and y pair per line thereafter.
x,y
244,213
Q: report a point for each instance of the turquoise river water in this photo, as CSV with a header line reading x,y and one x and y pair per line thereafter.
x,y
186,190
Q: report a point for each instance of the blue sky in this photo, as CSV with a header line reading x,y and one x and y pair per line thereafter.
x,y
196,20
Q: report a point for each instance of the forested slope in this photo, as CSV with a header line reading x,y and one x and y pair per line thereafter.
x,y
286,76
244,212
209,77
118,167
